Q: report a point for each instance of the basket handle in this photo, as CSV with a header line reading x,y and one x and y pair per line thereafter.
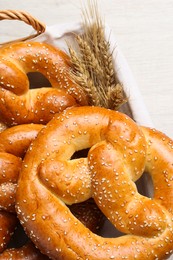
x,y
25,17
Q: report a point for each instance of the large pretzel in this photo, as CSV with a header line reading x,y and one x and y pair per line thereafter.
x,y
21,105
14,142
120,152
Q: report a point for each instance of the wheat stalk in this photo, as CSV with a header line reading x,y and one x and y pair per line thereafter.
x,y
91,61
82,77
93,65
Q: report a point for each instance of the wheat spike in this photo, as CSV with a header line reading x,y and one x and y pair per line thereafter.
x,y
93,65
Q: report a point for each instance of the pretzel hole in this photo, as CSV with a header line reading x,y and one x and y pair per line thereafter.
x,y
108,230
37,80
80,154
145,185
19,238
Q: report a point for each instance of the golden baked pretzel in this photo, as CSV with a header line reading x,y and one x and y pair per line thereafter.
x,y
28,252
14,142
21,105
120,152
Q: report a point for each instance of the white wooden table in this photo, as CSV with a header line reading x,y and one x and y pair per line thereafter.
x,y
144,31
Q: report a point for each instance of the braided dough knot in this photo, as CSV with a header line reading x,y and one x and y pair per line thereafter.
x,y
21,105
120,151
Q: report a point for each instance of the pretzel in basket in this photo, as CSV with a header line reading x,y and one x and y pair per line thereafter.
x,y
20,104
14,142
120,152
27,251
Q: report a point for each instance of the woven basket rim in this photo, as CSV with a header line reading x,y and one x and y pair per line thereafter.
x,y
25,17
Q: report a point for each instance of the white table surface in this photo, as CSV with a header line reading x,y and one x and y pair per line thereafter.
x,y
144,31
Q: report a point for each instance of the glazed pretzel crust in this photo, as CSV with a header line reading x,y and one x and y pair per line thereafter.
x,y
27,251
14,142
120,152
21,105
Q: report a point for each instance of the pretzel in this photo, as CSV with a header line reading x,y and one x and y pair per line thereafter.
x,y
27,251
13,144
119,153
21,105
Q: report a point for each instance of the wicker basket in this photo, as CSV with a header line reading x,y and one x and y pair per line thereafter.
x,y
26,18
